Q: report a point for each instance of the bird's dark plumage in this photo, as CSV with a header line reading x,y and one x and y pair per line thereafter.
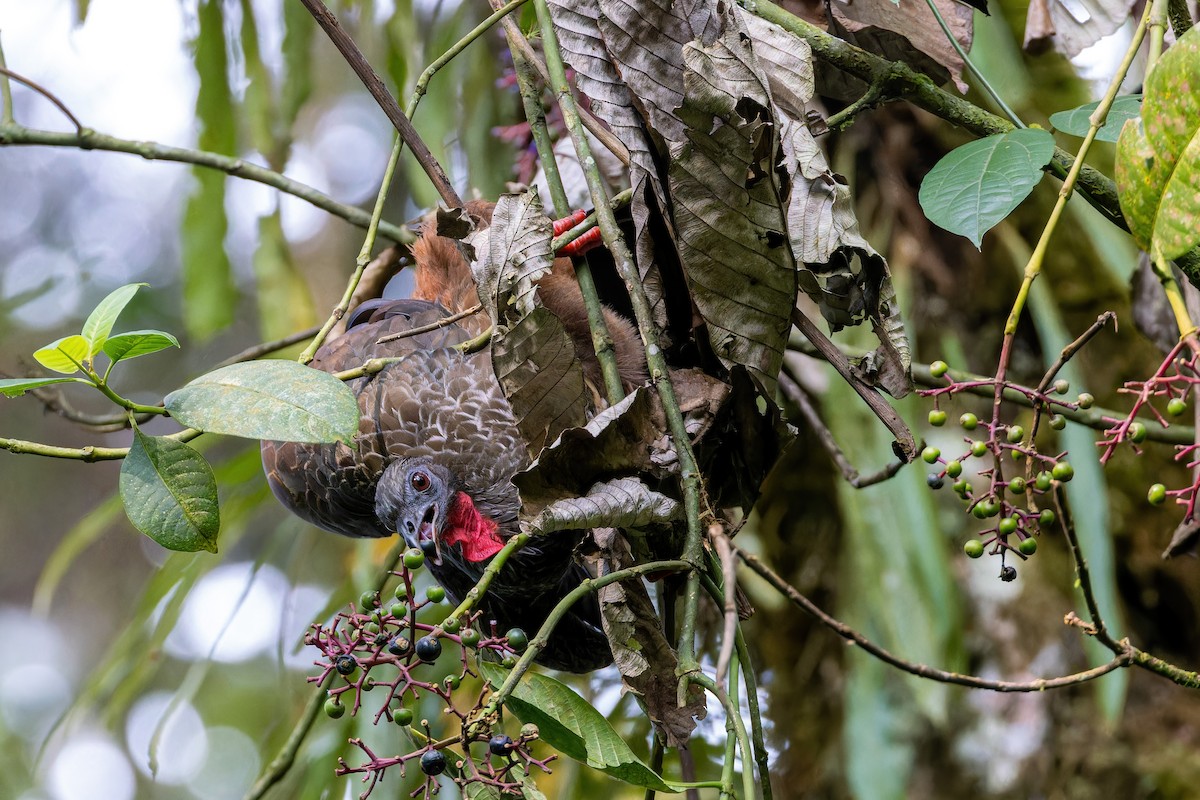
x,y
436,451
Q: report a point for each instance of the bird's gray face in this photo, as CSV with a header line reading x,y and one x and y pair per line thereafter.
x,y
412,498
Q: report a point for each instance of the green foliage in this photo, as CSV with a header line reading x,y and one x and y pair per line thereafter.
x,y
1077,123
977,185
570,725
170,494
1158,156
279,400
66,355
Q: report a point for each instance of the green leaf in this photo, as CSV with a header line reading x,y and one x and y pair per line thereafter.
x,y
1077,123
1158,155
15,387
279,400
100,322
209,292
284,302
138,343
570,725
64,355
298,30
170,494
975,186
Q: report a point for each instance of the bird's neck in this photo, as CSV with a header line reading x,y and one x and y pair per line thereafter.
x,y
466,526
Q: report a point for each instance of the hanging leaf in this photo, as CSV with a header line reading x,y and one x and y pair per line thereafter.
x,y
15,387
570,725
532,353
100,322
1158,155
624,503
209,292
64,355
729,199
277,400
1077,121
170,494
125,346
977,185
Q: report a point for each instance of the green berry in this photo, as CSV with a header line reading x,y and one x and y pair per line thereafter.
x,y
1063,471
1028,546
368,684
973,548
401,591
402,716
1058,422
1015,434
930,455
509,661
954,469
1157,494
979,449
1062,386
1176,406
452,682
979,510
371,628
334,708
962,487
1137,432
414,558
1008,526
937,418
451,624
1017,485
399,610
435,594
1046,518
1043,481
1086,400
368,600
938,368
993,508
517,640
469,637
969,421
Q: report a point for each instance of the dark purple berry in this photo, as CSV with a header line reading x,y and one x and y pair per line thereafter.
x,y
428,649
500,745
433,762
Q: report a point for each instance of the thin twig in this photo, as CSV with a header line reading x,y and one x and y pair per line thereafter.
x,y
88,139
593,125
921,670
354,57
905,445
44,92
266,348
6,96
794,392
716,533
433,326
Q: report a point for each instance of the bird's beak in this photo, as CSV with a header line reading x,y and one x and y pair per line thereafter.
x,y
423,528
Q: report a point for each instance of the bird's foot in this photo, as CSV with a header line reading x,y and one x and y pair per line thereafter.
x,y
578,246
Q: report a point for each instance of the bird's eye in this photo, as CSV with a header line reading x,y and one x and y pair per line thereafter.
x,y
420,481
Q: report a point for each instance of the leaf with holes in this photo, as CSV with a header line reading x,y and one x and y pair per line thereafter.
x,y
170,494
100,322
64,355
977,185
279,400
125,346
1077,121
1158,155
570,725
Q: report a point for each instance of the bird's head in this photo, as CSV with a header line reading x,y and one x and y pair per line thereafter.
x,y
422,502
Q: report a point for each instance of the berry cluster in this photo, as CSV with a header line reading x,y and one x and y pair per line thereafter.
x,y
1175,379
379,648
1012,502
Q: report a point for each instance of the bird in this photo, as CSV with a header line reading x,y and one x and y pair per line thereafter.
x,y
438,446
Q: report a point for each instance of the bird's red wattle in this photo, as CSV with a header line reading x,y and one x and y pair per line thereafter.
x,y
475,532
